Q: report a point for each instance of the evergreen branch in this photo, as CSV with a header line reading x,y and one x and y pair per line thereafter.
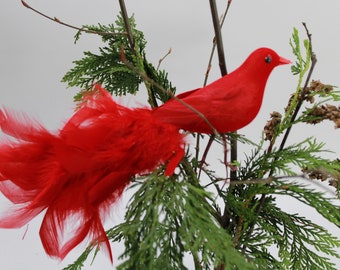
x,y
79,263
158,85
261,181
322,174
312,198
106,67
293,108
303,154
296,103
167,218
301,243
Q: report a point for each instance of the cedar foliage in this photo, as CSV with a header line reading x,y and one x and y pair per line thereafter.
x,y
169,218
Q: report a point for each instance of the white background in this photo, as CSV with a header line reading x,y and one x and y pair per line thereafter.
x,y
35,53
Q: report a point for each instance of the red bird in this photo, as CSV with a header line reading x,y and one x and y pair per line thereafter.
x,y
228,103
77,173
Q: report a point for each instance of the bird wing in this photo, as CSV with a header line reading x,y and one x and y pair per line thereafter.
x,y
209,101
178,111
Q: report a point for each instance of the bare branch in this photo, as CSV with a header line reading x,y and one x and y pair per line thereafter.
x,y
214,44
218,37
127,24
55,19
162,59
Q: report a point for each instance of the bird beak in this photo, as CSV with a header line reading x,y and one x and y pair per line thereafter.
x,y
284,61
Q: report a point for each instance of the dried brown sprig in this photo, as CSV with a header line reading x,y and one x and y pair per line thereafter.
x,y
324,175
324,112
308,95
316,87
269,128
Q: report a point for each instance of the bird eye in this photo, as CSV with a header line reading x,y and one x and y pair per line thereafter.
x,y
268,59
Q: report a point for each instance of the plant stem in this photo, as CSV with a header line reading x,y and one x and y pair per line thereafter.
x,y
127,24
292,119
303,92
218,38
212,137
55,19
223,69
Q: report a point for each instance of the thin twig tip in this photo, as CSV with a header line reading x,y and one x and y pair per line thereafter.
x,y
24,4
122,54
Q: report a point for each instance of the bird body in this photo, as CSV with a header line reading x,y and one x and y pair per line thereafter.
x,y
228,103
79,172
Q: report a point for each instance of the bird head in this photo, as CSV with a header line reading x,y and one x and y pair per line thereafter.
x,y
264,60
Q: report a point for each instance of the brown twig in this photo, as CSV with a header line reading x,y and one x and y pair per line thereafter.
x,y
152,97
261,181
218,44
55,19
204,156
218,37
223,68
162,59
214,45
225,154
127,25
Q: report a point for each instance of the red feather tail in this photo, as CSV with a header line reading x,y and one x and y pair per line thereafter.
x,y
79,172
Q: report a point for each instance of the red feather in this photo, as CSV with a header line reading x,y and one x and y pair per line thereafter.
x,y
76,174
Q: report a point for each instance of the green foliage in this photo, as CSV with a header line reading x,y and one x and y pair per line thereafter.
x,y
323,205
301,244
106,67
79,263
119,66
303,154
302,64
300,68
168,218
159,86
240,225
299,241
